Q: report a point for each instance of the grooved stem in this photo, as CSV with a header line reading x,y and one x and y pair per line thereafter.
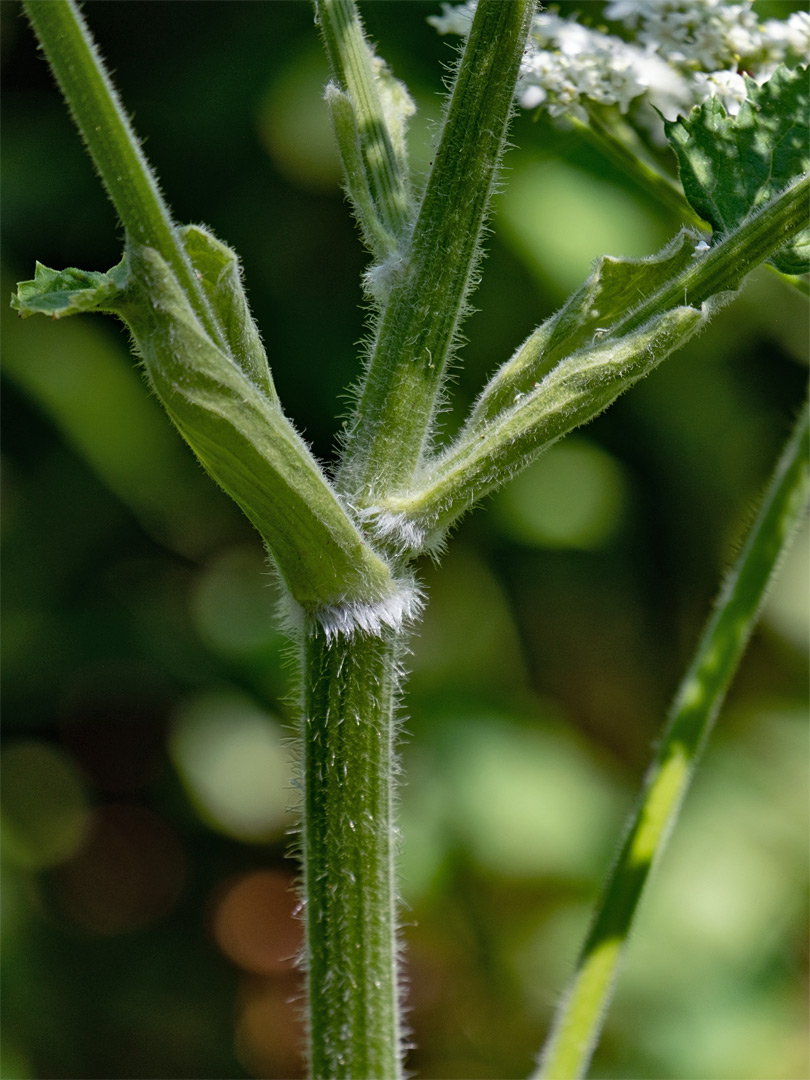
x,y
732,257
351,60
393,421
348,856
484,457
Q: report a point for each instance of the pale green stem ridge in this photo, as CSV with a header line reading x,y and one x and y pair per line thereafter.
x,y
347,135
400,395
112,143
348,847
488,453
353,63
692,716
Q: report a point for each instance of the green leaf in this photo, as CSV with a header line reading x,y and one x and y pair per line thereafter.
x,y
60,293
220,273
615,287
235,428
250,448
729,165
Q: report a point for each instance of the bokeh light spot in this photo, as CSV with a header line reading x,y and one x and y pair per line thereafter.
x,y
530,803
600,217
235,605
254,922
294,125
128,875
270,1028
788,606
45,816
574,496
234,764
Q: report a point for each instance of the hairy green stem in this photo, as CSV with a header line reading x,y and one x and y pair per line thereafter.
x,y
667,281
355,609
350,680
112,143
692,716
400,395
733,257
578,388
202,353
352,62
348,847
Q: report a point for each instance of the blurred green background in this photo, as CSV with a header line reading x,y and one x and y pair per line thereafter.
x,y
147,919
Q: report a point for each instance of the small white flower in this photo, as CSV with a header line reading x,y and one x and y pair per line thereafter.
x,y
789,37
532,97
683,52
798,34
706,35
454,20
624,11
665,88
743,40
728,86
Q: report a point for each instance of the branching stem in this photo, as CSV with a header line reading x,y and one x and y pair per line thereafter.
x,y
355,602
486,455
351,60
401,392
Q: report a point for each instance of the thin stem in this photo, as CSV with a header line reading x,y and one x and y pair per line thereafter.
x,y
692,716
622,145
582,385
348,856
399,399
351,60
97,111
734,256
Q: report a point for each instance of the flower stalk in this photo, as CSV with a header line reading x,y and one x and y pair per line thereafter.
x,y
363,91
691,719
349,768
526,407
180,293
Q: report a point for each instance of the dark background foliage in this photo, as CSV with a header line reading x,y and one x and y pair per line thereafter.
x,y
147,920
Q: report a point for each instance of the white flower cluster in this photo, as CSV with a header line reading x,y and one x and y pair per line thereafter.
x,y
570,64
682,52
